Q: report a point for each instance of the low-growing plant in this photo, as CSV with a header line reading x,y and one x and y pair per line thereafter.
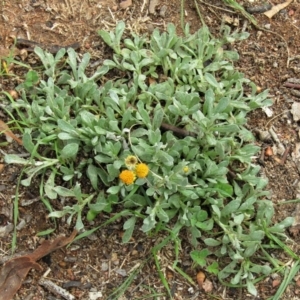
x,y
161,135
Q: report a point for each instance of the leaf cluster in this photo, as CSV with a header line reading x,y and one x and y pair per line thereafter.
x,y
180,107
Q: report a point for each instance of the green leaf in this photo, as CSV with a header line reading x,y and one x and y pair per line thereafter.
x,y
15,159
92,173
102,158
69,151
46,232
31,79
162,215
200,256
144,114
148,223
128,227
212,242
154,136
208,104
114,190
49,186
65,126
231,207
251,288
64,192
158,117
164,158
106,37
224,189
222,105
211,80
213,268
27,143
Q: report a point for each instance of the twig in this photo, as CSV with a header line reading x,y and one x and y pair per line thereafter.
x,y
292,85
285,154
261,159
216,7
276,139
55,289
143,5
178,131
275,117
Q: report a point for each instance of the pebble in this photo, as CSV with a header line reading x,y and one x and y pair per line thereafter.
x,y
5,230
104,266
75,248
95,295
150,28
121,272
92,237
296,111
152,6
267,26
70,259
21,225
163,11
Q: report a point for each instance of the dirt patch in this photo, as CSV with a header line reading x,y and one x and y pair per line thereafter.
x,y
101,262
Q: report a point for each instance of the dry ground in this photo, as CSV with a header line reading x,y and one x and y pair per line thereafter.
x,y
101,262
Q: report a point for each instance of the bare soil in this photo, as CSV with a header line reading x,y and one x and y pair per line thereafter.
x,y
100,263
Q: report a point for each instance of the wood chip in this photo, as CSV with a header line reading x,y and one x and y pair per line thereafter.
x,y
152,6
125,4
275,9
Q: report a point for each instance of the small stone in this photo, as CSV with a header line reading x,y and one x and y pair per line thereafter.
x,y
95,295
93,237
150,28
134,252
75,248
152,6
267,26
121,272
21,225
114,256
163,11
5,230
104,266
296,111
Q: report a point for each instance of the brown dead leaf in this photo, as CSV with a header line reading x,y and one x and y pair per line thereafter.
x,y
276,282
151,80
125,3
275,9
1,167
15,271
207,286
5,129
200,279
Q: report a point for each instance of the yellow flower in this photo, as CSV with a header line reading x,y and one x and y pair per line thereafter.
x,y
130,161
127,177
141,170
185,169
